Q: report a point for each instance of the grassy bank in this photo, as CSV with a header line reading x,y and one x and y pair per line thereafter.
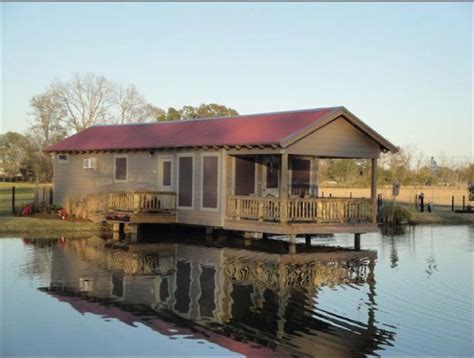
x,y
24,193
442,218
47,228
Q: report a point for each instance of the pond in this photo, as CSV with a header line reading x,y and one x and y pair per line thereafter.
x,y
404,293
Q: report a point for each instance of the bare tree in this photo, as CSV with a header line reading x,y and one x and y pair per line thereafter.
x,y
86,99
47,114
132,106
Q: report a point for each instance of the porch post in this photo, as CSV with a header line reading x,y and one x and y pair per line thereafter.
x,y
259,163
316,180
284,188
373,189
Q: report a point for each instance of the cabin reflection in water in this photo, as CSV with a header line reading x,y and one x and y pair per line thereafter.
x,y
267,301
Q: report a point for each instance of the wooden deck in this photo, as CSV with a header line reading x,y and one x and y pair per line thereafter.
x,y
300,215
243,213
143,207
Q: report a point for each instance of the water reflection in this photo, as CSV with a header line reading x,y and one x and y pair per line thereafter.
x,y
255,302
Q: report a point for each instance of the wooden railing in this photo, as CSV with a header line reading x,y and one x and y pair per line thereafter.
x,y
315,210
136,202
150,201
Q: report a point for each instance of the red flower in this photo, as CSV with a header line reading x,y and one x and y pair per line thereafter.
x,y
62,213
27,210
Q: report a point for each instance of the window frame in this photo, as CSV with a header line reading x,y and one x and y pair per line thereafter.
x,y
90,159
118,156
201,206
160,186
193,157
59,161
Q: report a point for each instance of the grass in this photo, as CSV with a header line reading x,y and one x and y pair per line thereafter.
x,y
36,227
47,228
24,193
442,218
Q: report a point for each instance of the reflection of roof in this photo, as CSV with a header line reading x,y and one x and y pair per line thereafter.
x,y
82,305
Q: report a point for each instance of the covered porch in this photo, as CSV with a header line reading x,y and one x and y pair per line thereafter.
x,y
278,193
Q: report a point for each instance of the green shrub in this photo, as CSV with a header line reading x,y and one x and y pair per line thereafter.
x,y
394,215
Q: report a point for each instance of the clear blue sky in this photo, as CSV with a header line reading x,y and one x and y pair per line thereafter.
x,y
405,69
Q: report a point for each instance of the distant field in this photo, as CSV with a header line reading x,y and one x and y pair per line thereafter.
x,y
24,193
441,195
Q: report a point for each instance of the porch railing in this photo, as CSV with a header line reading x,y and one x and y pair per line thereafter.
x,y
315,210
136,202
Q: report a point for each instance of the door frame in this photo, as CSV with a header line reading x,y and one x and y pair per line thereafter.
x,y
160,186
217,155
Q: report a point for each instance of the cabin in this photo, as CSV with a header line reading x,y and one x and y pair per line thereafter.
x,y
250,173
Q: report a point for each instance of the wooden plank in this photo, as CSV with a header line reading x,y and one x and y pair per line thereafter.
x,y
300,228
153,218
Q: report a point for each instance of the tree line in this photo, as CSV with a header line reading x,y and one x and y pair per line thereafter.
x,y
409,167
70,106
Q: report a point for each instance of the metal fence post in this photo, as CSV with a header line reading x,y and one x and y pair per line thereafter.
x,y
13,200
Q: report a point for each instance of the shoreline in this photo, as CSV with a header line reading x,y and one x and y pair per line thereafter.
x,y
29,227
441,218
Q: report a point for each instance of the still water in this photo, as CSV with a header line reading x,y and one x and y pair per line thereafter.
x,y
408,293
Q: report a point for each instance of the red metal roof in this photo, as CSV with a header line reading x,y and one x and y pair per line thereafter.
x,y
257,129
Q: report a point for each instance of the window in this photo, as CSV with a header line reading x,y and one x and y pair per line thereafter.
x,y
63,158
183,286
165,173
210,179
207,283
244,176
185,181
89,163
120,168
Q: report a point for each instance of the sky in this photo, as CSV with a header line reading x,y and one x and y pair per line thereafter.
x,y
405,69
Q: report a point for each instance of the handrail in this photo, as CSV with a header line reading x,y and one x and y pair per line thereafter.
x,y
133,202
316,210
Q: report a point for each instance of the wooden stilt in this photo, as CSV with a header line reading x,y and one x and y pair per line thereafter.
x,y
116,227
357,241
131,228
292,246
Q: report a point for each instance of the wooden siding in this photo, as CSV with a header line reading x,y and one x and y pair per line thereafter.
x,y
71,180
338,139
